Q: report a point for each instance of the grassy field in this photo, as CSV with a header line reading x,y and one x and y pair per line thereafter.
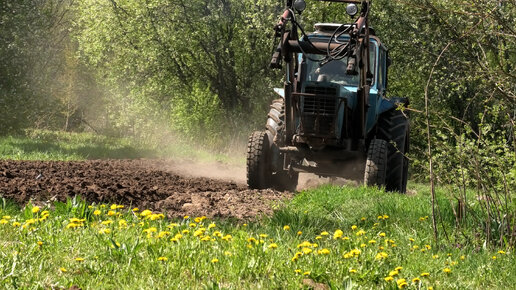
x,y
51,145
330,237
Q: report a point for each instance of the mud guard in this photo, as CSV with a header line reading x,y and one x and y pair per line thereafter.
x,y
387,104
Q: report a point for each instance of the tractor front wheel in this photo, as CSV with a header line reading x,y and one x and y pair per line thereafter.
x,y
376,164
258,167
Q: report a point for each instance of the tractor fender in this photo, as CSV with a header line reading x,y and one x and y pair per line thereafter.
x,y
280,92
387,104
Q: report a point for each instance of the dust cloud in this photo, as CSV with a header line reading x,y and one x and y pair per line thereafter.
x,y
237,173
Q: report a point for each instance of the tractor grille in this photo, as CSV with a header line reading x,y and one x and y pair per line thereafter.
x,y
318,112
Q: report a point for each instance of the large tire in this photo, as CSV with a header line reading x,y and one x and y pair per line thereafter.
x,y
376,163
281,179
258,158
393,126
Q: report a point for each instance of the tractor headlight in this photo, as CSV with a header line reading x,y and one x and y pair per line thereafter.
x,y
299,5
352,9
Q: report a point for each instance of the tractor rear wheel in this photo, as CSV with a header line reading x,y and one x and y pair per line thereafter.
x,y
281,179
258,158
393,126
376,163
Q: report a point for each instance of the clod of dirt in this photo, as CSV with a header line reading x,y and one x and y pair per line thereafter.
x,y
136,183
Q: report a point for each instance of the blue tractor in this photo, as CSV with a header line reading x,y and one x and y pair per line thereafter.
x,y
333,118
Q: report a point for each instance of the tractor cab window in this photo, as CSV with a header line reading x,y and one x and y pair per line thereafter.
x,y
335,70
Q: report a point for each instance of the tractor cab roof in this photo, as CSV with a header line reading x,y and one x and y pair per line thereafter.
x,y
326,30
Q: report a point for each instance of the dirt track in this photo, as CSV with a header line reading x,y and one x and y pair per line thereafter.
x,y
138,183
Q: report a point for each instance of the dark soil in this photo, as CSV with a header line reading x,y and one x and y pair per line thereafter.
x,y
135,183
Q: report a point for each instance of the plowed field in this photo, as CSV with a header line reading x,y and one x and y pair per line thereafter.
x,y
145,184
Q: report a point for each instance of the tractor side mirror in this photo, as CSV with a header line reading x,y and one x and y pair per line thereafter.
x,y
299,6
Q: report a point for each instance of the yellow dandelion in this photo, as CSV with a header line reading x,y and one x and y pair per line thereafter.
x,y
211,226
381,234
299,233
323,251
385,216
16,224
415,247
354,227
273,246
325,233
428,247
192,225
163,259
425,274
306,251
79,259
135,209
96,212
3,222
40,243
493,257
447,270
399,268
227,238
462,257
146,213
185,232
215,260
306,273
105,231
186,217
411,239
6,217
501,252
286,227
393,273
106,223
363,219
360,233
416,280
150,230
352,271
228,254
435,256
318,237
345,238
63,270
402,283
35,209
263,235
162,234
337,234
388,279
363,245
298,271
372,242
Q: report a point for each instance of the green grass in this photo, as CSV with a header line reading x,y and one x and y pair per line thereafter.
x,y
128,256
67,146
